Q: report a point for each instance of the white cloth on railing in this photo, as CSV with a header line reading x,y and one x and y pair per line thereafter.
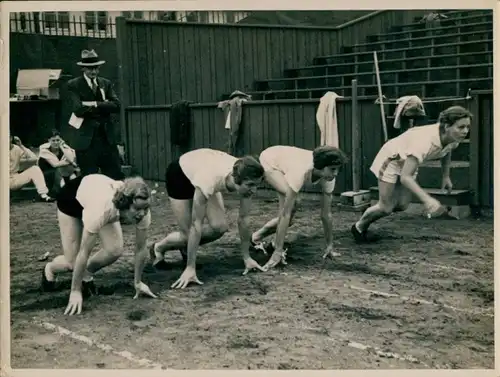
x,y
405,103
233,112
326,117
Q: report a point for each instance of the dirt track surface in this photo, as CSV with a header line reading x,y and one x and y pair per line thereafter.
x,y
421,296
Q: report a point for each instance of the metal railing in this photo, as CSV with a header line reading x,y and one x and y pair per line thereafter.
x,y
99,24
94,24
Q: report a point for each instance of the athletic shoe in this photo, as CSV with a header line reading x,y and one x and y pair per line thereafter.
x,y
89,289
359,237
152,255
184,255
160,265
269,248
259,247
45,198
47,286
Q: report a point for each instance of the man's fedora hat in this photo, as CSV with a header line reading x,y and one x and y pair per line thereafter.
x,y
90,59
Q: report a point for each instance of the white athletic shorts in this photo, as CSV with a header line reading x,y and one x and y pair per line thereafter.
x,y
388,169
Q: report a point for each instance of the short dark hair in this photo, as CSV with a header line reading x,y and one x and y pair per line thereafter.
x,y
451,115
327,155
53,133
247,168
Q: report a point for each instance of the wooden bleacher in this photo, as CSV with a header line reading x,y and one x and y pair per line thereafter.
x,y
454,18
388,64
413,59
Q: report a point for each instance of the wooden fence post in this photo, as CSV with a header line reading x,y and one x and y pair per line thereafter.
x,y
474,159
355,140
121,41
357,199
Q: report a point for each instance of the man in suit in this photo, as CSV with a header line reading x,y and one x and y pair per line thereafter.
x,y
91,130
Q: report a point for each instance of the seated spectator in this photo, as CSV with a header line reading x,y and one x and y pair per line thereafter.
x,y
57,160
19,153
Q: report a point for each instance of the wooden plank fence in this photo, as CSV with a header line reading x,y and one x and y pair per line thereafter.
x,y
264,123
293,122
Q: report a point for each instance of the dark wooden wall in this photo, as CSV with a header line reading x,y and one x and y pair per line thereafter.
x,y
481,148
163,62
263,124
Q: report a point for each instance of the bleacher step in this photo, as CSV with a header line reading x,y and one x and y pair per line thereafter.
x,y
430,174
471,26
385,64
458,202
394,90
453,164
456,197
404,42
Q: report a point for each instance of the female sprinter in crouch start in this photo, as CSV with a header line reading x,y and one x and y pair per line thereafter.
x,y
195,183
396,167
92,206
287,170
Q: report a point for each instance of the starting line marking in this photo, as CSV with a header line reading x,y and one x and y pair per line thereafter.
x,y
104,347
387,355
447,267
420,301
341,338
150,364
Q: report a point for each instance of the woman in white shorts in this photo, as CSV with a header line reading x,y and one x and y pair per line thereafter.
x,y
195,183
396,166
287,170
92,206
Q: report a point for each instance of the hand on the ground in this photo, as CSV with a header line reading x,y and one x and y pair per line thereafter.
x,y
432,205
143,288
330,253
277,258
434,208
250,264
188,276
447,185
75,303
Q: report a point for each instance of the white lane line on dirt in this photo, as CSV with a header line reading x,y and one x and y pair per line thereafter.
x,y
388,355
104,347
342,339
421,301
447,267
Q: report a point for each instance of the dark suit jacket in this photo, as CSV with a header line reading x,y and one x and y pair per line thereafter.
x,y
78,91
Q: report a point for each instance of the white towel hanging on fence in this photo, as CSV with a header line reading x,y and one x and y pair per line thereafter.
x,y
326,116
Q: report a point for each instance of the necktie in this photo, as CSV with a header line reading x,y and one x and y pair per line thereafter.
x,y
97,92
94,86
